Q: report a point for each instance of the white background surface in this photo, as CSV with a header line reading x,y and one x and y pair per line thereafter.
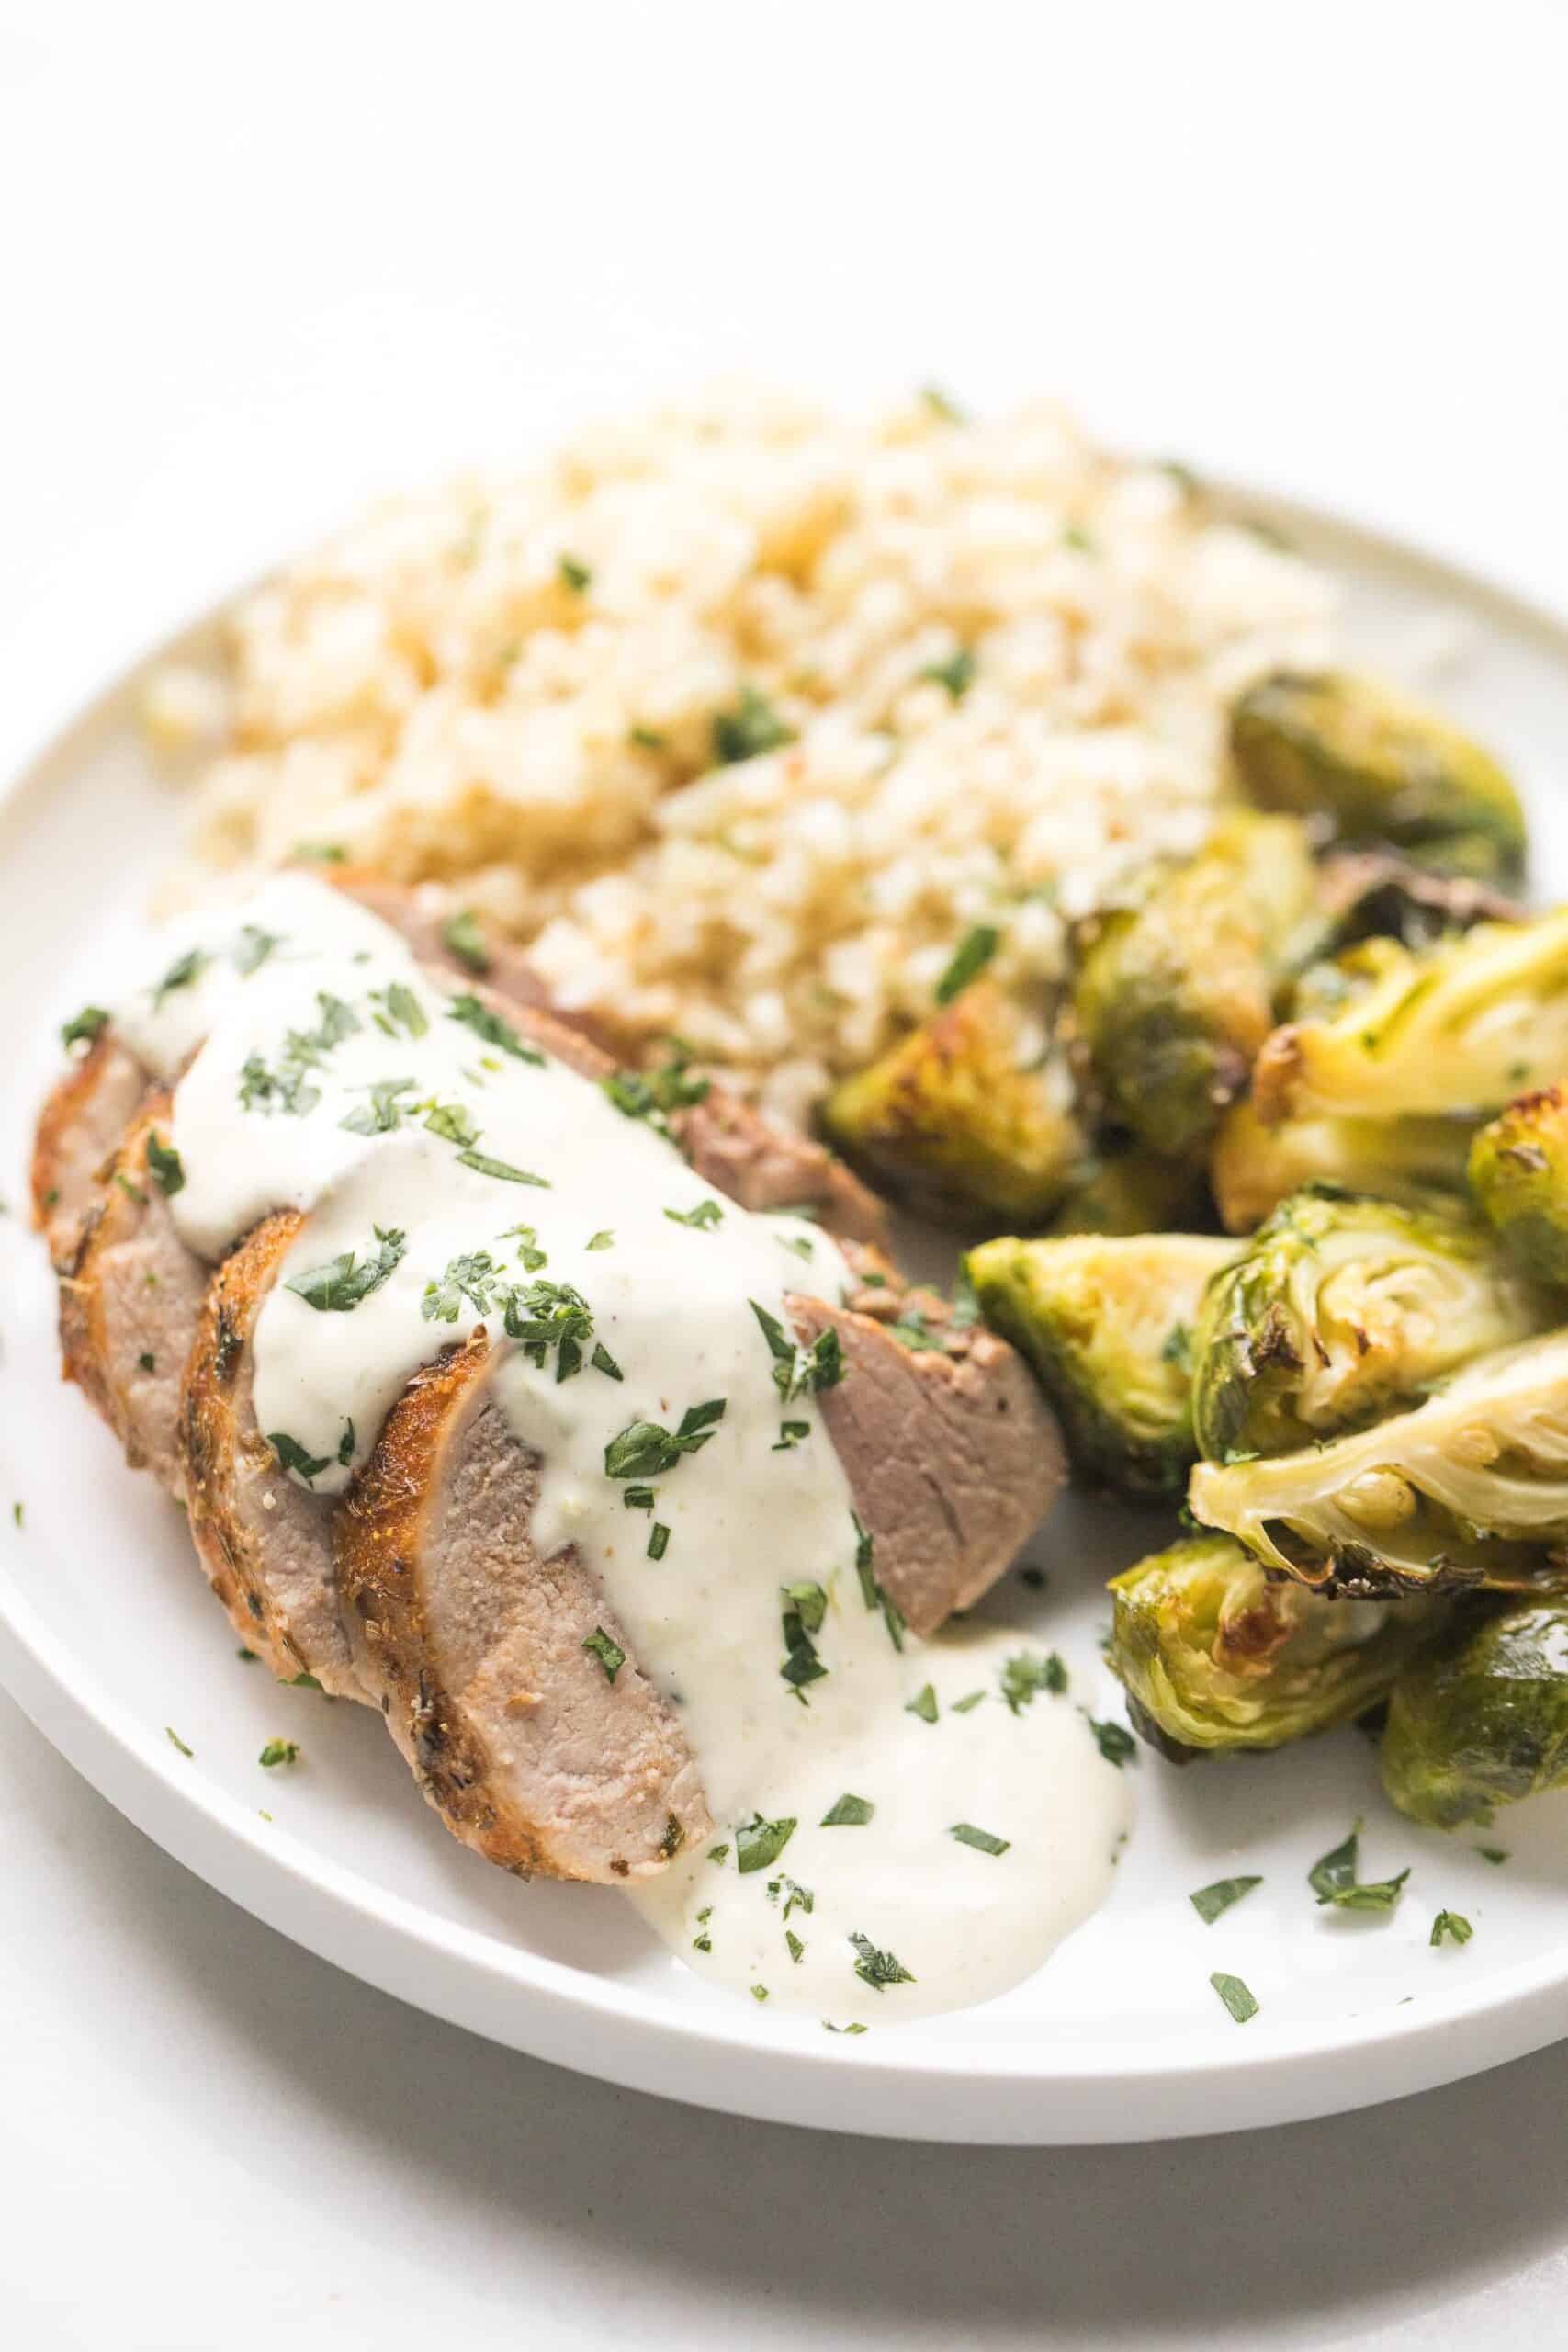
x,y
257,262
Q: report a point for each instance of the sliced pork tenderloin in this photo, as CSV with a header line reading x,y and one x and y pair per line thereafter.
x,y
79,1130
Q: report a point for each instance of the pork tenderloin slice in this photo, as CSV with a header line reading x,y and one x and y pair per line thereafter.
x,y
79,1129
473,1645
129,1303
264,1542
951,1455
767,1167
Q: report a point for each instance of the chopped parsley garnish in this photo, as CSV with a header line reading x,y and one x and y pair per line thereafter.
x,y
647,738
400,1009
602,1361
1235,1996
646,1450
970,958
970,1699
253,947
181,973
849,1812
1452,1924
1177,1347
483,1165
85,1026
247,1657
319,852
798,1370
956,673
1114,1741
1210,1901
702,1943
610,1655
165,1164
759,1992
638,1498
796,1948
339,1286
871,1591
546,1315
912,1331
147,1362
530,1255
493,1029
1493,1854
799,1898
721,1854
828,2027
383,1112
805,1607
658,1540
453,1122
751,727
131,1189
937,401
798,1243
602,1241
923,1704
303,1683
981,1839
576,576
759,1843
701,1219
790,1434
462,937
471,1275
1333,1880
286,1088
280,1751
1035,1578
654,1094
674,1837
1026,1674
172,1736
878,1969
292,1455
1077,538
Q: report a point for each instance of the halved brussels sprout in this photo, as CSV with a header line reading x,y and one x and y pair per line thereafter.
x,y
1255,1167
1136,1191
1377,767
1459,1029
1518,1172
1106,1324
1341,1307
1482,1720
954,1118
1470,1488
1216,1654
1174,997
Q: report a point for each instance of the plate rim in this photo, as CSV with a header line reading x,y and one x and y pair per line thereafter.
x,y
771,2069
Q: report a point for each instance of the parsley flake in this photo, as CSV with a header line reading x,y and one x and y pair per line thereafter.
x,y
610,1655
338,1287
973,952
1210,1901
1235,1996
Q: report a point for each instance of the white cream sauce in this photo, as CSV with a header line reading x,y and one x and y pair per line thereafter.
x,y
331,1020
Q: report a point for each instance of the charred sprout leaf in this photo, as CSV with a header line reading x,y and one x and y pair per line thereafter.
x,y
1094,1316
1457,1031
963,1115
848,1813
344,1281
1470,1488
83,1027
492,1028
1342,1307
462,935
164,1165
1210,1903
1255,1167
1518,1173
751,727
646,1450
1024,1676
1453,1925
759,1843
1235,1996
610,1654
1216,1655
878,1969
1481,1720
292,1456
1373,766
1174,997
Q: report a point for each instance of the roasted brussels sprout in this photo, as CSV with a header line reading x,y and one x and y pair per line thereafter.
x,y
1341,1307
1459,1029
1136,1191
1518,1172
1216,1654
1106,1324
1470,1488
1377,767
1376,894
1255,1167
1174,997
1482,1720
954,1119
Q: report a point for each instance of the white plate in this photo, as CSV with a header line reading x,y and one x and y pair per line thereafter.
x,y
108,1635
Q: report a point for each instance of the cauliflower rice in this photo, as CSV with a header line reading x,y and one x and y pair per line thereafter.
x,y
993,662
